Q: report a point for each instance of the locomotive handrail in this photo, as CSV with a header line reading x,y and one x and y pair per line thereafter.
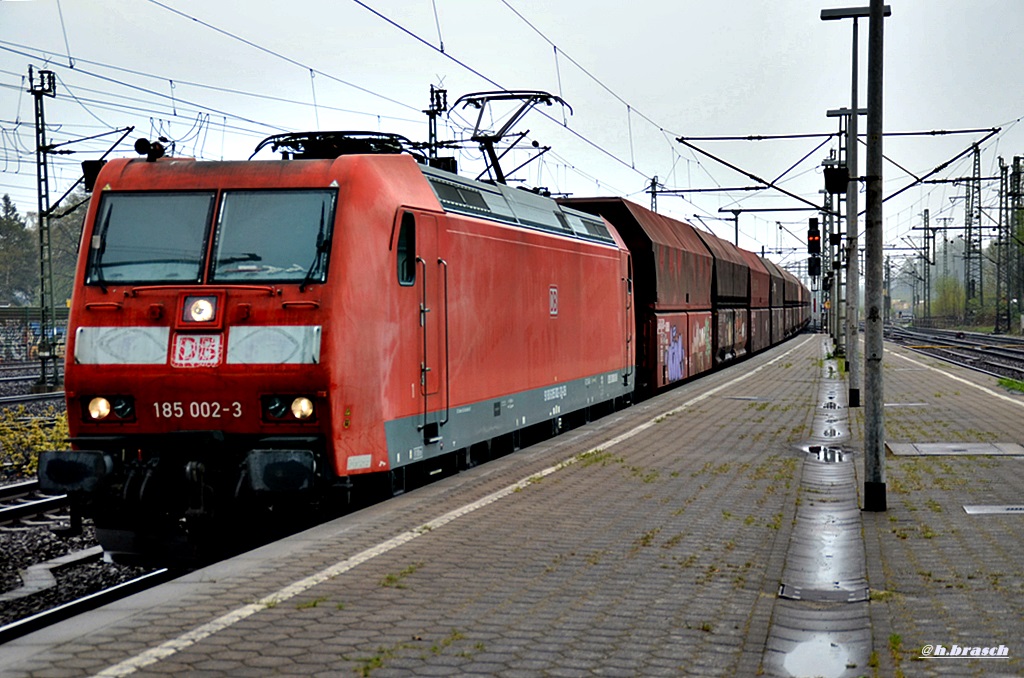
x,y
301,304
424,367
447,379
104,306
269,289
630,366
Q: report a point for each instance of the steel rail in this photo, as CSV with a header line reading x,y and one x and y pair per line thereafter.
x,y
19,489
31,506
972,351
31,398
90,602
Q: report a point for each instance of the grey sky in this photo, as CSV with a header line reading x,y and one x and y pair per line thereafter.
x,y
653,71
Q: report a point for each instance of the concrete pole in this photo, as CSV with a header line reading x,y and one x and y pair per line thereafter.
x,y
874,412
826,265
837,302
852,254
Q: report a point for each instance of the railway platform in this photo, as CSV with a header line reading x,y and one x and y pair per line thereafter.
x,y
712,531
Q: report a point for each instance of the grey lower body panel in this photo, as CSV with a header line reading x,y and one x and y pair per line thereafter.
x,y
463,426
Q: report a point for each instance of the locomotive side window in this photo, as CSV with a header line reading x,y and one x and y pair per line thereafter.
x,y
273,236
149,238
407,250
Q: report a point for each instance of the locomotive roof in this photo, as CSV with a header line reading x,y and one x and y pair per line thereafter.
x,y
513,206
456,194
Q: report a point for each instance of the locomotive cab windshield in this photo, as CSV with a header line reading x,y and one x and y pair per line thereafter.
x,y
260,236
273,236
135,226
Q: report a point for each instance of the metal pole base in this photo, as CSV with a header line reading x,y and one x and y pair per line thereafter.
x,y
874,496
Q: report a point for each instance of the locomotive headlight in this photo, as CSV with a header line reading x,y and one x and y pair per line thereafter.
x,y
302,408
200,309
112,408
99,408
285,408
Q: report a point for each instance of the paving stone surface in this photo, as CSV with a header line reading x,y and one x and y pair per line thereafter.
x,y
943,580
658,550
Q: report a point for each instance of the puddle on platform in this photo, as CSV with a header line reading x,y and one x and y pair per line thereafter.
x,y
820,625
817,657
831,455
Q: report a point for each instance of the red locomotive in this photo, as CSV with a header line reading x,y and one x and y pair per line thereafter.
x,y
258,334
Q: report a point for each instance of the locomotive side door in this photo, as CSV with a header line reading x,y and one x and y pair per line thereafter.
x,y
629,326
419,235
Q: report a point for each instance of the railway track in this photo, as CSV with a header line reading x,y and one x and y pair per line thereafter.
x,y
32,398
22,501
19,378
84,603
15,373
996,355
61,576
21,366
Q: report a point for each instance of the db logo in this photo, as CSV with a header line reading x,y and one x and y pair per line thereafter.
x,y
196,350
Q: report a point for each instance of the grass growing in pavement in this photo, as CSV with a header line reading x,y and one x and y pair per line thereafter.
x,y
1012,384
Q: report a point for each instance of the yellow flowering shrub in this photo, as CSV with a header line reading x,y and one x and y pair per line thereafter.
x,y
23,436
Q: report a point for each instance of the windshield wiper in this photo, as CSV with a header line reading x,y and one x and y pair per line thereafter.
x,y
322,245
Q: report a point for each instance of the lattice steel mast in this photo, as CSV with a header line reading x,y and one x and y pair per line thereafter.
x,y
45,87
972,241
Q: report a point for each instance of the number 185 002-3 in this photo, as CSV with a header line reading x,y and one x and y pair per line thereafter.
x,y
197,409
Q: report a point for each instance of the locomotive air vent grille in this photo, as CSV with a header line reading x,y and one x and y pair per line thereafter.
x,y
459,196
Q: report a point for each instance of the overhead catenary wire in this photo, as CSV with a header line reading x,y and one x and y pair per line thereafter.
x,y
437,23
276,54
596,146
146,107
313,69
64,30
165,96
631,109
43,54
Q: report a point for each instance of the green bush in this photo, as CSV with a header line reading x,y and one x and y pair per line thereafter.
x,y
23,436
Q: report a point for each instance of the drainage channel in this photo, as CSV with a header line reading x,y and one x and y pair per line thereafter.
x,y
820,624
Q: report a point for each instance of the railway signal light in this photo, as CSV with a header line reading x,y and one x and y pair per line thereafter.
x,y
814,267
813,236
